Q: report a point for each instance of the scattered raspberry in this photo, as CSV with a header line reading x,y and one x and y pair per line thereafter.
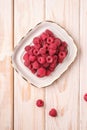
x,y
41,72
46,52
49,59
40,103
85,97
53,112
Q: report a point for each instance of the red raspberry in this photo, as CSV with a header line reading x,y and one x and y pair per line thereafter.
x,y
48,72
41,72
57,42
42,51
33,71
30,66
46,65
50,40
36,40
26,63
62,48
43,36
53,46
35,51
62,55
64,44
27,48
26,56
38,46
85,97
40,103
51,69
53,112
49,32
49,59
35,65
46,46
30,52
52,52
41,60
32,58
53,65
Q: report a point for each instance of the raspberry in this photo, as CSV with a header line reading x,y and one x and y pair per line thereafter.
x,y
35,65
30,66
30,52
40,103
42,51
36,40
49,59
27,48
46,65
41,72
62,48
64,44
85,97
26,56
43,36
33,71
26,63
52,52
53,112
53,65
32,58
41,60
53,46
50,40
48,72
35,51
38,46
49,32
57,42
62,55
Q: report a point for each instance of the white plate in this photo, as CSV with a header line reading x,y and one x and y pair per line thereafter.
x,y
26,40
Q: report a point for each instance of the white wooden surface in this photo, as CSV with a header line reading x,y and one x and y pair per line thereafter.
x,y
66,93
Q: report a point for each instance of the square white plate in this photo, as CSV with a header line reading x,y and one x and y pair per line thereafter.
x,y
26,40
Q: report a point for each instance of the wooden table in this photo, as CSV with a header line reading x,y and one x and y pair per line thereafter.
x,y
17,99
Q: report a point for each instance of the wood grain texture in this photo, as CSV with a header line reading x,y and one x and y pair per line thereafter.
x,y
83,62
63,94
6,72
26,115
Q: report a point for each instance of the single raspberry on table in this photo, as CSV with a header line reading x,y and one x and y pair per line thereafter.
x,y
53,112
41,72
40,103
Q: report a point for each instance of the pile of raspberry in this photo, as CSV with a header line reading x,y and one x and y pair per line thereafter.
x,y
45,53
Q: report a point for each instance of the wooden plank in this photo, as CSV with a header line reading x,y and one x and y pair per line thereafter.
x,y
6,71
26,115
83,62
63,94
